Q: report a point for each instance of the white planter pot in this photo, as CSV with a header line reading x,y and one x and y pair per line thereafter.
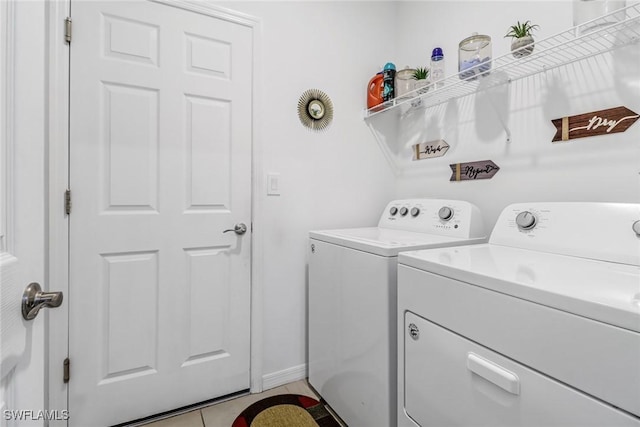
x,y
422,86
517,46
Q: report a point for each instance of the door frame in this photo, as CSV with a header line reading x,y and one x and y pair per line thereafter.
x,y
57,268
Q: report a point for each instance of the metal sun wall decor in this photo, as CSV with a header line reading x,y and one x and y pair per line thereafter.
x,y
471,171
315,109
430,150
601,122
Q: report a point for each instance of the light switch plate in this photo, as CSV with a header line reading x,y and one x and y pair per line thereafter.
x,y
273,184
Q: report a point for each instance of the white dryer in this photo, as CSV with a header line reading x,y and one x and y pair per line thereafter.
x,y
538,327
352,302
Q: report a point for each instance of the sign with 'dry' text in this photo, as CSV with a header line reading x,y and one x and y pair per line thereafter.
x,y
430,150
471,171
603,122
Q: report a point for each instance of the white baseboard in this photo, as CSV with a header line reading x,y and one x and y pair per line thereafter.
x,y
286,376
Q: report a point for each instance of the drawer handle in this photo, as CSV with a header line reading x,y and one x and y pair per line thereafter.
x,y
496,374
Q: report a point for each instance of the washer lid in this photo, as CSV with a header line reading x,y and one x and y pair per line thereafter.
x,y
387,242
598,290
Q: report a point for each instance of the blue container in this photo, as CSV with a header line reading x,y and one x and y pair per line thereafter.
x,y
389,74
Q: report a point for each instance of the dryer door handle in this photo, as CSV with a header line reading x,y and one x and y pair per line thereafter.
x,y
496,374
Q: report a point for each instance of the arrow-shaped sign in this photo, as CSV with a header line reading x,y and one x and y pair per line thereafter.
x,y
601,122
484,169
429,150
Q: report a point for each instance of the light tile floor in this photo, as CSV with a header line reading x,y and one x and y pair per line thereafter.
x,y
223,414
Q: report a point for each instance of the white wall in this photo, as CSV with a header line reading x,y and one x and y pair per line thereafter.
x,y
604,168
337,178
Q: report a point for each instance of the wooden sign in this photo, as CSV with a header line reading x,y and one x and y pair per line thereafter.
x,y
429,150
471,171
601,122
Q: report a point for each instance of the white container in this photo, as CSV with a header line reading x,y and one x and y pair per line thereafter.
x,y
585,11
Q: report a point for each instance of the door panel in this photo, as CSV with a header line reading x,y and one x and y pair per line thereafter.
x,y
130,144
160,146
131,347
208,168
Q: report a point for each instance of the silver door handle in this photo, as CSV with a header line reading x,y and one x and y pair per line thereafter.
x,y
238,229
33,299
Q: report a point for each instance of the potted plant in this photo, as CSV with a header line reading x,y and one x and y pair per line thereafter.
x,y
521,35
420,75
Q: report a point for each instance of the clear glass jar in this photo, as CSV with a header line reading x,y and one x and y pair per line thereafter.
x,y
586,11
404,82
474,56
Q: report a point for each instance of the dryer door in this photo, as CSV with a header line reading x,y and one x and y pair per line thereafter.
x,y
452,381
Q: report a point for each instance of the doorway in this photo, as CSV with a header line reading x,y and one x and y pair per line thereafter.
x,y
160,161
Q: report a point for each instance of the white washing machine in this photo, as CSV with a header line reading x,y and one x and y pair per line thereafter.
x,y
352,302
538,327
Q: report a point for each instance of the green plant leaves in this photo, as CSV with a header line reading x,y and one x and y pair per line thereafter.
x,y
522,29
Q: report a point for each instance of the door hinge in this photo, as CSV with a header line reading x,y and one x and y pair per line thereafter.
x,y
67,202
67,29
65,370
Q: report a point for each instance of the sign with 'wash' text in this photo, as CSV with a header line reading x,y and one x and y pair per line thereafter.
x,y
430,150
603,122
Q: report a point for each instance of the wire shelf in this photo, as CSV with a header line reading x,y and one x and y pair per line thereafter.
x,y
555,51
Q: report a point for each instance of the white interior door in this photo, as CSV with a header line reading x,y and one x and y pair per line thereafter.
x,y
22,213
160,166
13,331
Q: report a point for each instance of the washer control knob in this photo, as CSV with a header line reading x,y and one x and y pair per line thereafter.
x,y
415,211
526,220
404,211
636,227
393,211
445,213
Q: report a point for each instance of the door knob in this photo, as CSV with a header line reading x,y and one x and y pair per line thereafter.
x,y
34,299
238,229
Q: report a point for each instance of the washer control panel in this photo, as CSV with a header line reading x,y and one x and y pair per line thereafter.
x,y
393,211
436,216
603,231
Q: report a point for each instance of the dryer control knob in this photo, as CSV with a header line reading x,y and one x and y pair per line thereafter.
x,y
404,211
526,220
415,211
393,211
636,227
445,213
